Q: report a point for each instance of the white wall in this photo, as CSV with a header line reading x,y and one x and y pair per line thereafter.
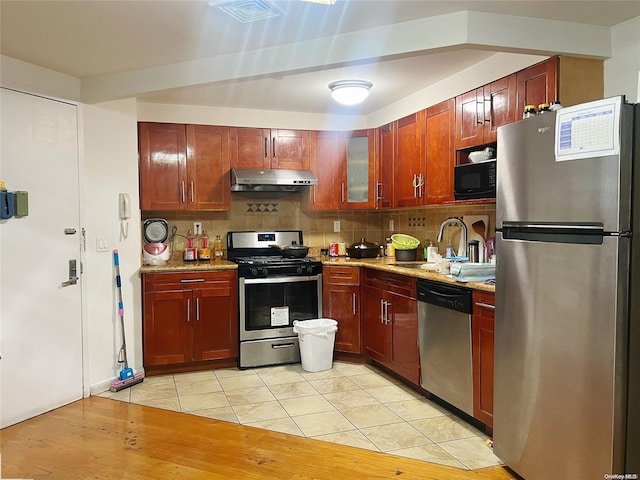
x,y
111,167
622,70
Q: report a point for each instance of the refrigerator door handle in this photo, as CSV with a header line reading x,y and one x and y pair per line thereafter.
x,y
584,227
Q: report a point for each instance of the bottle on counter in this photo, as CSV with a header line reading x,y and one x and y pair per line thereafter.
x,y
204,251
390,251
450,253
190,251
218,248
543,108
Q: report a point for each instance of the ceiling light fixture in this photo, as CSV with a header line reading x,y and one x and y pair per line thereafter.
x,y
324,2
350,92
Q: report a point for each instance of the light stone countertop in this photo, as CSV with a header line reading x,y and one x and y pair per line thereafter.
x,y
384,264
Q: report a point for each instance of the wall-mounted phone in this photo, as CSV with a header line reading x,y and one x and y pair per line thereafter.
x,y
124,207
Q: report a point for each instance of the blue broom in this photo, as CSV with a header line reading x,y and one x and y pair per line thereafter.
x,y
126,378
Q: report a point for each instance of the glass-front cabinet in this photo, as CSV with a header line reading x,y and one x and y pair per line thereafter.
x,y
357,186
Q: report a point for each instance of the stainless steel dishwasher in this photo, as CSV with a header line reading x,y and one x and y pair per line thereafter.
x,y
444,329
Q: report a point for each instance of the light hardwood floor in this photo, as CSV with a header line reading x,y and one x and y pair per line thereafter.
x,y
98,438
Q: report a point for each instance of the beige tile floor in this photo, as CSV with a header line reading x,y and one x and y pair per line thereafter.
x,y
351,404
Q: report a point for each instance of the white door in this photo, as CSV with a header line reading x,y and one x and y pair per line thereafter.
x,y
40,322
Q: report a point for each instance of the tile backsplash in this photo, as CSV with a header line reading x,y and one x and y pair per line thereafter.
x,y
287,211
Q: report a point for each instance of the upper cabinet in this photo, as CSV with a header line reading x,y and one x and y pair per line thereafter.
x,y
480,112
409,160
440,153
265,148
385,171
570,80
343,162
183,167
357,183
326,155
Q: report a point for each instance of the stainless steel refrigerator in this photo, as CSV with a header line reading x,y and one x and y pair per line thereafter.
x,y
567,340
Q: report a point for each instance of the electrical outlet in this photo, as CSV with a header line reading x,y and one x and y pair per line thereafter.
x,y
336,225
197,228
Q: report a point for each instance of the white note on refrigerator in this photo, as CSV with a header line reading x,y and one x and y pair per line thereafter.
x,y
588,130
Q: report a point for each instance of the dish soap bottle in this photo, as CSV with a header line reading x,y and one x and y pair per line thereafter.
x,y
218,248
450,253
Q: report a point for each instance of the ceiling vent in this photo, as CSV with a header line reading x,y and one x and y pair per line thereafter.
x,y
247,11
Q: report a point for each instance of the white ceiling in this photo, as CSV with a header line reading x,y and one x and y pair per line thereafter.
x,y
190,52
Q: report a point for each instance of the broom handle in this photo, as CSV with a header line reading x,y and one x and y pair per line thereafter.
x,y
116,262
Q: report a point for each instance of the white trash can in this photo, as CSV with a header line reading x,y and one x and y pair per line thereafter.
x,y
316,338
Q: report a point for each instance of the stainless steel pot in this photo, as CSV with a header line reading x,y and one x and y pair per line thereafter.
x,y
363,249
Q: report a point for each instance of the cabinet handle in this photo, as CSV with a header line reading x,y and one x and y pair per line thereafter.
x,y
354,302
193,192
414,185
197,309
381,311
478,122
485,305
490,100
192,280
378,191
314,194
182,187
283,345
387,320
273,148
342,192
420,184
188,310
266,146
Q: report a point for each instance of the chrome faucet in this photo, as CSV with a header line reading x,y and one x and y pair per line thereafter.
x,y
454,221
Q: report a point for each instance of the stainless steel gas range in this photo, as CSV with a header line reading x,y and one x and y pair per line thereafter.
x,y
273,291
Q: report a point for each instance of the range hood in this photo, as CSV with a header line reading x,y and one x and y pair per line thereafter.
x,y
255,180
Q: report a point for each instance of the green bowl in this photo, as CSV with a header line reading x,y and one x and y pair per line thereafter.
x,y
400,241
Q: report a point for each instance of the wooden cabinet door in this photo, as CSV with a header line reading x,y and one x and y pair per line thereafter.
x,y
376,336
357,189
215,334
403,315
469,119
410,158
250,147
385,172
163,166
208,167
440,153
537,84
483,349
499,106
324,160
167,327
290,149
342,303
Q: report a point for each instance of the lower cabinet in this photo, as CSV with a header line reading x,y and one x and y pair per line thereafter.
x,y
189,317
482,331
390,313
341,302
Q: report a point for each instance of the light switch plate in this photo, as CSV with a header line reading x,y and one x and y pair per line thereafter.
x,y
102,245
336,225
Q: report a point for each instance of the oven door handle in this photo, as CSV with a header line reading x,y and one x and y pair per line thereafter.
x,y
283,345
274,279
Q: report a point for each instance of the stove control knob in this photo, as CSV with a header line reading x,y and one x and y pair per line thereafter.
x,y
309,269
254,271
265,272
299,270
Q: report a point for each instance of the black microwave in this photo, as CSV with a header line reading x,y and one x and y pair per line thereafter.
x,y
475,180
